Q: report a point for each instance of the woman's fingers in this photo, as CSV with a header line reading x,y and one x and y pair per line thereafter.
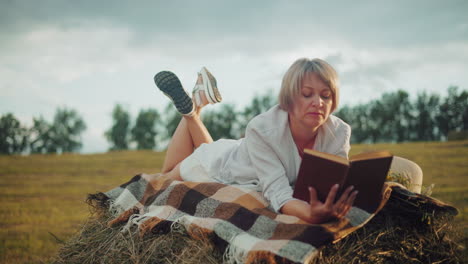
x,y
330,208
313,195
351,198
331,196
344,208
345,195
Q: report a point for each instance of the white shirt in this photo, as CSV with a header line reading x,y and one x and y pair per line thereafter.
x,y
267,159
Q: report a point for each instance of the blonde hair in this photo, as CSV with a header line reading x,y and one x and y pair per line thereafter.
x,y
292,81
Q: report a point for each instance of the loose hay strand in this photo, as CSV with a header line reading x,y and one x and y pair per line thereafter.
x,y
96,242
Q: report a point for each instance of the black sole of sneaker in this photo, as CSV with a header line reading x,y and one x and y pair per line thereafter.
x,y
171,86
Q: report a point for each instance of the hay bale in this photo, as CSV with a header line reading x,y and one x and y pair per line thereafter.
x,y
97,242
405,231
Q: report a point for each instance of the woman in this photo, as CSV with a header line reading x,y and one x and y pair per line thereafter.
x,y
269,156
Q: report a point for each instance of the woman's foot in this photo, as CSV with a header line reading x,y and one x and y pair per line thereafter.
x,y
198,94
206,89
170,85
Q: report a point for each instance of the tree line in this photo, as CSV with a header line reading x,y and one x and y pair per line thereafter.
x,y
60,135
394,117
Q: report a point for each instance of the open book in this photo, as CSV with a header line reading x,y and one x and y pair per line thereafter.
x,y
366,172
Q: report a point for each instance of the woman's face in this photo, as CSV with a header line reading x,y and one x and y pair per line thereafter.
x,y
313,104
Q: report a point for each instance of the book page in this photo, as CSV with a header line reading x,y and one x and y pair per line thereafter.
x,y
371,155
327,156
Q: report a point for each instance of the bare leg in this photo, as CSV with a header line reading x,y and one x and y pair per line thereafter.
x,y
190,134
180,147
175,173
197,130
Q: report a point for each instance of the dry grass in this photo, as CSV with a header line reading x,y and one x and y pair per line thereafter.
x,y
401,233
43,195
98,243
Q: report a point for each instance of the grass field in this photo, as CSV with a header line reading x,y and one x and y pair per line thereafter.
x,y
42,196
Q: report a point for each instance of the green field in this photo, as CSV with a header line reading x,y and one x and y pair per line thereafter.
x,y
42,196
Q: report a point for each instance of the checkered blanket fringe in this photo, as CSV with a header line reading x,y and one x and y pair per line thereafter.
x,y
236,220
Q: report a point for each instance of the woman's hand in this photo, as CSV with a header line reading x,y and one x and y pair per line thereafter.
x,y
321,212
316,212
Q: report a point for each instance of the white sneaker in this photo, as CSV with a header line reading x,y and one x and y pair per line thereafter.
x,y
208,86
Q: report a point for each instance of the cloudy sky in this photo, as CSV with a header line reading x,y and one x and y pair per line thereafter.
x,y
90,55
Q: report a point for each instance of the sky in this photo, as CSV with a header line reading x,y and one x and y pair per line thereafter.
x,y
91,55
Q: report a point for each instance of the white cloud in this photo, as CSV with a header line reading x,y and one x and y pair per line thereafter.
x,y
90,56
67,55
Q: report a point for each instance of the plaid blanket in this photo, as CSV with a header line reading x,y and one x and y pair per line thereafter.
x,y
237,220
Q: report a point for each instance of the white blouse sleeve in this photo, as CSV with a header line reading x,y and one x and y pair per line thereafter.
x,y
342,145
335,137
269,169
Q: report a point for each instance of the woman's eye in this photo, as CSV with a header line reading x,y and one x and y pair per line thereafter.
x,y
326,96
306,94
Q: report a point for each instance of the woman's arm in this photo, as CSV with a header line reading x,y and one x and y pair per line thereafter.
x,y
317,212
262,144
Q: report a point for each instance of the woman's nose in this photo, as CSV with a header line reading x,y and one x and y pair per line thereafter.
x,y
316,100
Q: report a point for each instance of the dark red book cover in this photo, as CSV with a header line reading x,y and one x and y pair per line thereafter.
x,y
320,173
366,172
368,177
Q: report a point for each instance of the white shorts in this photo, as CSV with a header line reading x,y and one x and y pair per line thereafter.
x,y
204,164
